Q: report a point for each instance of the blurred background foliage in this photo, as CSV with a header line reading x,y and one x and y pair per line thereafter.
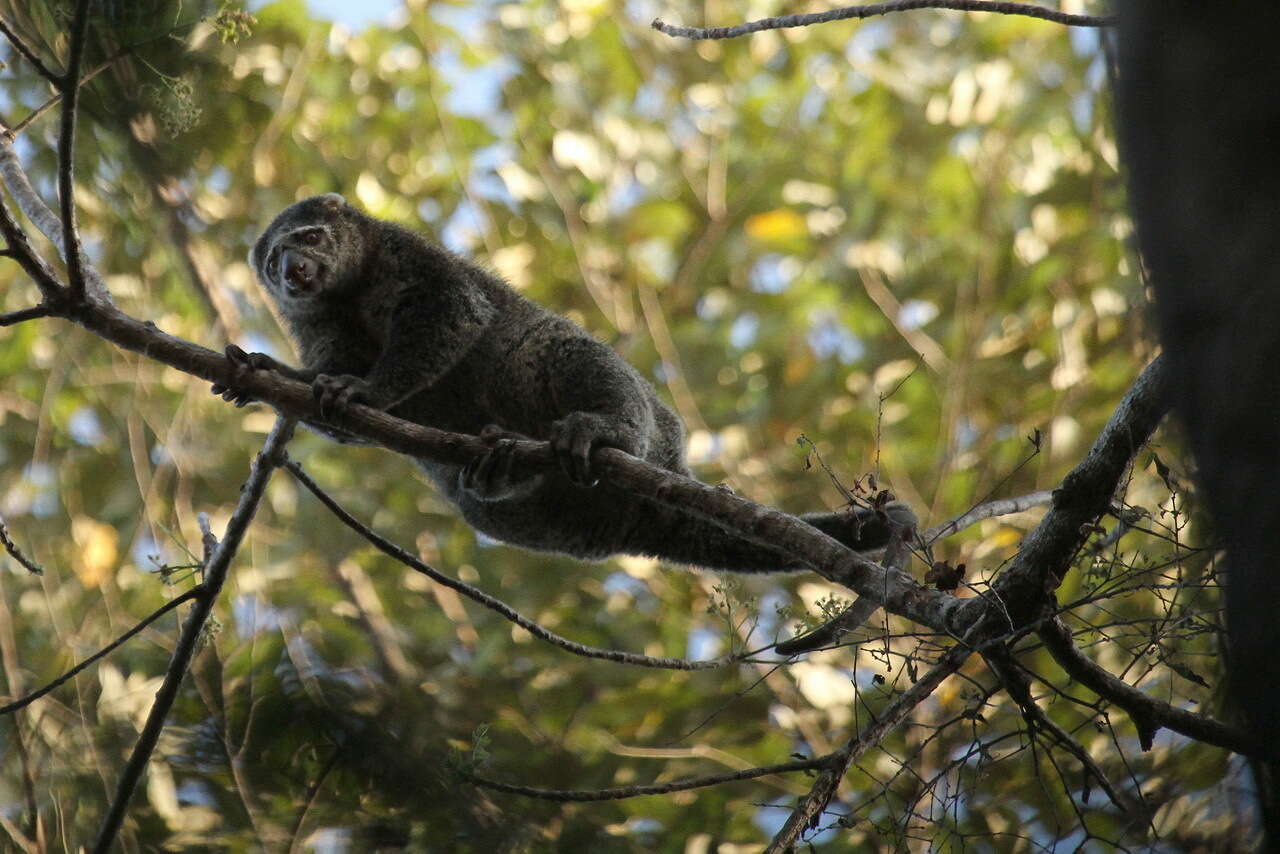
x,y
903,239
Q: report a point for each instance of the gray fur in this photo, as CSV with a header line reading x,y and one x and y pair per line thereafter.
x,y
384,317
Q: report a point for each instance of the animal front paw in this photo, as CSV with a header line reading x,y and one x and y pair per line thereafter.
x,y
334,394
242,364
574,438
489,478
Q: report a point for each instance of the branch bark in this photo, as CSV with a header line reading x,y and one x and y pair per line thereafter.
x,y
1085,494
783,22
70,86
1148,714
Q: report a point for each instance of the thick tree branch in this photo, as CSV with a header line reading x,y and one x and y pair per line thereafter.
x,y
783,22
268,459
756,523
29,201
859,612
1085,494
1148,714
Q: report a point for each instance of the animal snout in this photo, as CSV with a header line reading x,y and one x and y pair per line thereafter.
x,y
299,272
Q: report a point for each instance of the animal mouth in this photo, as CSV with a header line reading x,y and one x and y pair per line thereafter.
x,y
300,274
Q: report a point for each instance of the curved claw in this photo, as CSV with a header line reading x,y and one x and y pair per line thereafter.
x,y
572,440
484,475
242,364
334,394
490,478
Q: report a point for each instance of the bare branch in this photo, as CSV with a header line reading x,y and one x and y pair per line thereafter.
x,y
481,598
991,509
12,548
810,808
783,22
100,654
623,792
14,317
268,459
1148,714
29,201
66,153
1085,494
13,132
19,247
861,610
831,631
27,53
1018,685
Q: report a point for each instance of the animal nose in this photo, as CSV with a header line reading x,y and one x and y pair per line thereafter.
x,y
299,270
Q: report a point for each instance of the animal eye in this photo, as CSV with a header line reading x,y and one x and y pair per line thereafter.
x,y
312,236
272,260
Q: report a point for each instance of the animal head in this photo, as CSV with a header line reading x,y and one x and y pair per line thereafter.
x,y
313,246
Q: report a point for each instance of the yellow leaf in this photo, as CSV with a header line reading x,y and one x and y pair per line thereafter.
x,y
1007,537
776,226
96,550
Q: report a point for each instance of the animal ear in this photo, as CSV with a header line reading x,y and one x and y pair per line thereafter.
x,y
333,201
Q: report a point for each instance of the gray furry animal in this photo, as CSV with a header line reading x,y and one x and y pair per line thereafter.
x,y
381,316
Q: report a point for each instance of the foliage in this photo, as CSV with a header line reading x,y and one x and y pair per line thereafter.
x,y
903,238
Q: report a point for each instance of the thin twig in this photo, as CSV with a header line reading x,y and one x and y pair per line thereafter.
x,y
27,53
16,553
66,153
53,99
783,22
100,654
23,314
268,459
991,509
497,605
1018,685
623,792
807,812
295,838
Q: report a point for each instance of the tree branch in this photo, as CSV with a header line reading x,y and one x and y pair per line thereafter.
x,y
16,553
18,246
27,53
100,654
622,792
14,317
1018,686
808,811
52,101
271,456
70,86
1085,494
783,22
989,510
1148,714
493,604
